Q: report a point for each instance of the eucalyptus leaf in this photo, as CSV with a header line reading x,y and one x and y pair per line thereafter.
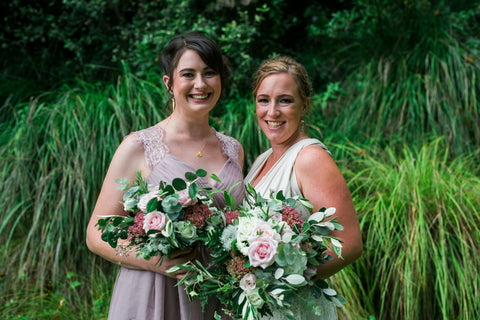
x,y
192,190
278,274
201,173
330,211
179,184
280,196
277,291
329,292
317,216
295,279
190,176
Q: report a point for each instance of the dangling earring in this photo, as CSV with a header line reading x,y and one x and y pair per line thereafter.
x,y
173,103
302,125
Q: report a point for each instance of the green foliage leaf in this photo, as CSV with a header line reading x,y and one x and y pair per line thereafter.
x,y
192,190
190,176
152,205
201,173
179,184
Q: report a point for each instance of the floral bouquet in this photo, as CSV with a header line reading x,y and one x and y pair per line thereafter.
x,y
265,257
162,218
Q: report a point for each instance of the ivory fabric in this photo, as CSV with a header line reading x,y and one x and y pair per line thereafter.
x,y
282,177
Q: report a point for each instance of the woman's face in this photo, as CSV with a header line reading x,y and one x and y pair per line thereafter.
x,y
280,108
196,87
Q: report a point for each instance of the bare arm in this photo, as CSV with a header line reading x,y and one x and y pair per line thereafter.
x,y
323,185
127,160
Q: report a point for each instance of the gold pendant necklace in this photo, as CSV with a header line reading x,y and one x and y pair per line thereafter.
x,y
199,153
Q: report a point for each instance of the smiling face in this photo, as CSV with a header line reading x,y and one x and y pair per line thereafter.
x,y
280,109
196,87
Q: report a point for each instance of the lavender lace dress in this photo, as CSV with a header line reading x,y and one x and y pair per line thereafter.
x,y
145,295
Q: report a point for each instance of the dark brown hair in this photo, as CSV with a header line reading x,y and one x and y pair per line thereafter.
x,y
206,48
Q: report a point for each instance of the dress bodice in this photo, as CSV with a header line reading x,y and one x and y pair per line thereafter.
x,y
166,167
282,174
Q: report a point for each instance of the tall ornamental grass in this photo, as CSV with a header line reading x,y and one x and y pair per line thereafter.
x,y
427,92
53,157
420,217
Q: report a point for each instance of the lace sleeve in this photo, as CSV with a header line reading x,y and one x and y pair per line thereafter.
x,y
152,141
230,146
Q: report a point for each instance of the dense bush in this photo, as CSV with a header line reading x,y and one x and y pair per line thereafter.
x,y
390,78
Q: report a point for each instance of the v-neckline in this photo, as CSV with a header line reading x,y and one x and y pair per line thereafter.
x,y
211,182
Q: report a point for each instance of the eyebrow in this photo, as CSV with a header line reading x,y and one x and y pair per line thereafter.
x,y
279,96
192,69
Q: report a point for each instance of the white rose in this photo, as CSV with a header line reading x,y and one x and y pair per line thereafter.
x,y
254,297
248,282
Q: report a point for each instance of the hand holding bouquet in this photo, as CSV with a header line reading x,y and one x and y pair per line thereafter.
x,y
265,258
161,219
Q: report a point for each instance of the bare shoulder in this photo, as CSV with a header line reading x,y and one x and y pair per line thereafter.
x,y
313,156
130,155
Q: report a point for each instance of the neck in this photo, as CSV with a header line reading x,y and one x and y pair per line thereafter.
x,y
279,149
187,126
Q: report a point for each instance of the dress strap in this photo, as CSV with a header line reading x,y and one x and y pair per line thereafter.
x,y
152,141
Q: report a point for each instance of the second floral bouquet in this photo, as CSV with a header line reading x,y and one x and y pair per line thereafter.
x,y
264,259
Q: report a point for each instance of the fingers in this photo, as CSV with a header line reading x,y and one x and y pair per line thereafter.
x,y
178,253
181,257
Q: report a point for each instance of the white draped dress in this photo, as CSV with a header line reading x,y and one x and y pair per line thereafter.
x,y
282,177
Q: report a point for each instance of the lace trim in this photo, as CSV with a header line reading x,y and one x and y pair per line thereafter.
x,y
152,140
230,146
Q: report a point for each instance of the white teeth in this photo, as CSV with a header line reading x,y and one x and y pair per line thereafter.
x,y
198,96
274,124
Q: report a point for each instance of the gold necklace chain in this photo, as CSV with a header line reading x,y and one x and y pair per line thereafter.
x,y
199,152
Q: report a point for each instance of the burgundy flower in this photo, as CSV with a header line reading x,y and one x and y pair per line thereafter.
x,y
136,231
231,216
197,214
236,267
291,216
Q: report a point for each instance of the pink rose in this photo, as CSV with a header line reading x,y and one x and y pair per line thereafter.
x,y
145,198
154,220
262,252
248,282
263,229
185,200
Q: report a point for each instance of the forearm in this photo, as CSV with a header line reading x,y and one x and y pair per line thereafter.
x,y
349,255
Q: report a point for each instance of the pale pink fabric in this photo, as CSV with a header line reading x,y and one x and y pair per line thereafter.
x,y
144,295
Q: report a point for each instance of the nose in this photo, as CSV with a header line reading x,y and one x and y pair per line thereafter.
x,y
200,82
272,110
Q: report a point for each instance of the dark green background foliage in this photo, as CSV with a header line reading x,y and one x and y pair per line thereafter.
x,y
396,85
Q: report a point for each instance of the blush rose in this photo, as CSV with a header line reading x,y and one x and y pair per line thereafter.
x,y
185,200
261,252
154,220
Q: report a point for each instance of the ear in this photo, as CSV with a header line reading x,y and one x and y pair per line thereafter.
x,y
166,81
305,106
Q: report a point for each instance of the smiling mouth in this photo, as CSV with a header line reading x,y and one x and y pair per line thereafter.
x,y
202,96
274,124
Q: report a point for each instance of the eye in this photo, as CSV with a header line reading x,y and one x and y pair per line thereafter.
x,y
187,75
210,73
262,100
286,100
